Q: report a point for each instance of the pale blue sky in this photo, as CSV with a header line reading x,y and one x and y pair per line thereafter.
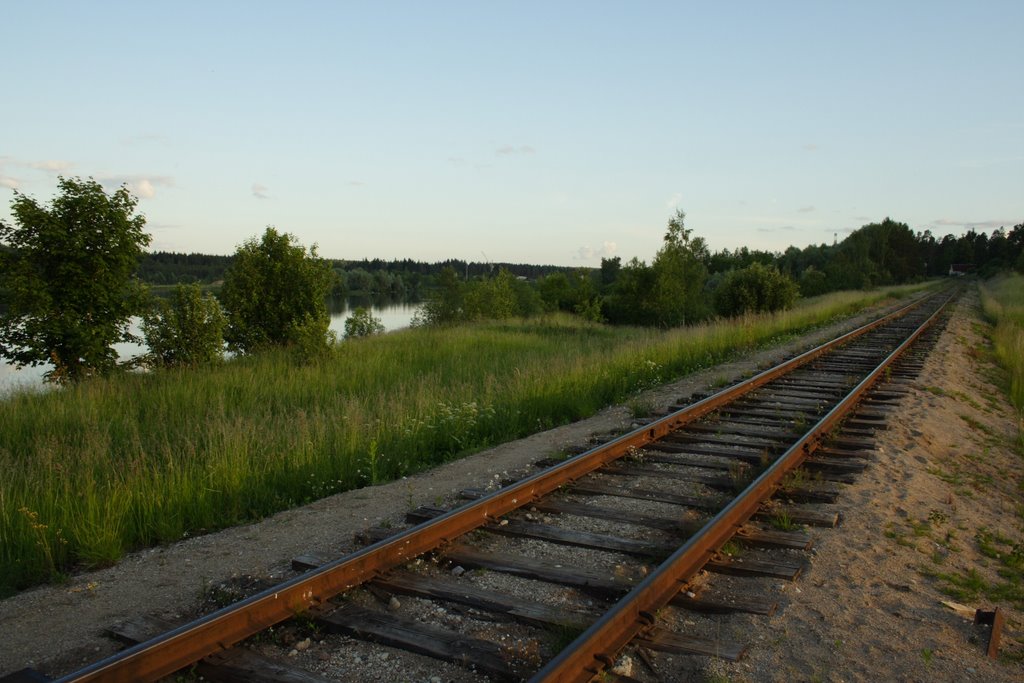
x,y
542,132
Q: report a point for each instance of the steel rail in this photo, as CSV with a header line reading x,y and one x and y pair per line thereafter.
x,y
594,650
220,630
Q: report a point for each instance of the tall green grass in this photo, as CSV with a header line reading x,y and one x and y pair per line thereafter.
x,y
1002,299
94,470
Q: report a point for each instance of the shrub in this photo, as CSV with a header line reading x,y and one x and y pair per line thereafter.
x,y
275,295
362,324
186,329
754,289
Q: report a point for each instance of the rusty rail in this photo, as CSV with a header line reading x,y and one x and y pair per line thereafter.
x,y
596,648
221,630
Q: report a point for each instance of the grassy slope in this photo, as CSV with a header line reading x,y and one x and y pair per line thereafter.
x,y
92,471
1002,299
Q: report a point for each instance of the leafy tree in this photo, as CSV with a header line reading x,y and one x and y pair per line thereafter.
x,y
445,306
555,291
610,267
362,323
528,301
679,276
492,298
754,289
69,275
186,329
630,300
275,295
813,282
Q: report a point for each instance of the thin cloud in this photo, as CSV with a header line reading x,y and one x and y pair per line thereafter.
x,y
953,223
9,182
805,209
587,253
810,147
52,165
260,191
777,228
144,186
506,150
674,200
456,161
356,183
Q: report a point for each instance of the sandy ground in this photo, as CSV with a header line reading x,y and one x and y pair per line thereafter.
x,y
868,607
864,611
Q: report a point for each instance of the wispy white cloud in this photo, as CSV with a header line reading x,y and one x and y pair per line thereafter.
x,y
143,186
505,150
777,228
356,183
810,147
52,165
588,253
965,225
673,201
9,182
805,209
260,191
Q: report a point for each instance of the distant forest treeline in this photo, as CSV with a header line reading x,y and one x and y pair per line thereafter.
x,y
876,254
395,278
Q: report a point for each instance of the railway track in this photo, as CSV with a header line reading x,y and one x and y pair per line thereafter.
x,y
597,545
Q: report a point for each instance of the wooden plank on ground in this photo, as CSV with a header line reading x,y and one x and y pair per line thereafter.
x,y
669,524
598,489
690,460
234,665
724,604
852,455
774,539
663,640
751,566
600,582
798,514
838,465
753,456
582,539
483,655
465,593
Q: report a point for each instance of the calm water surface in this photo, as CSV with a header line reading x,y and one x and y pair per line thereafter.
x,y
394,316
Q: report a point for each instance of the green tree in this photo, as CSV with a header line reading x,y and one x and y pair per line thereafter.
x,y
445,305
186,329
679,276
362,323
492,298
610,268
629,302
555,291
754,289
69,276
275,295
813,282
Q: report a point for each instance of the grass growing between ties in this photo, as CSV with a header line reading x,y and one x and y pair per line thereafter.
x,y
94,470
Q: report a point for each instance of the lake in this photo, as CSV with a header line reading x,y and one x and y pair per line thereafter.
x,y
394,316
